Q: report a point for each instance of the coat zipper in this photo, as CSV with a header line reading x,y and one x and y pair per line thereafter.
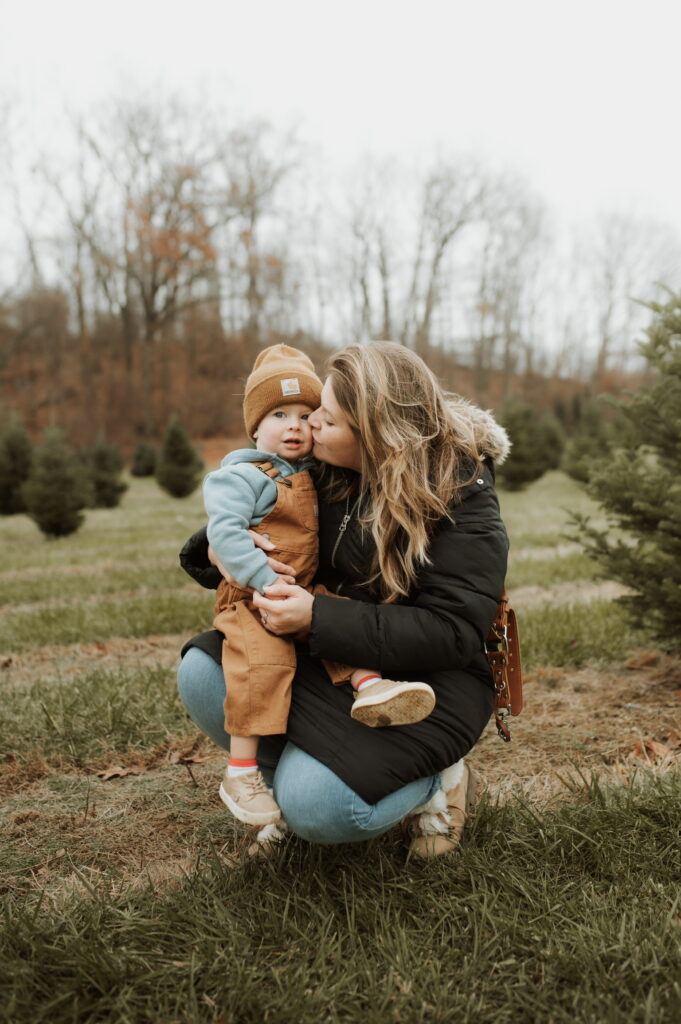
x,y
343,527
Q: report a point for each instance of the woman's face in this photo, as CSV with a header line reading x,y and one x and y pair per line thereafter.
x,y
333,438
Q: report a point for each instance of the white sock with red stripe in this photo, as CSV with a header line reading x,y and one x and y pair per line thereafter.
x,y
240,766
366,681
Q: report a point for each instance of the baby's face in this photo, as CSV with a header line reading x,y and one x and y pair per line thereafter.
x,y
285,431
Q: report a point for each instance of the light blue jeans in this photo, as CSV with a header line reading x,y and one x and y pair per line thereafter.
x,y
315,803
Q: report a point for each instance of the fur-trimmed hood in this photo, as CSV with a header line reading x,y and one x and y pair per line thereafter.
x,y
490,438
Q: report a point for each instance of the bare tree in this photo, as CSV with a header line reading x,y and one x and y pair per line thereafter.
x,y
151,246
399,242
628,258
254,164
498,297
452,200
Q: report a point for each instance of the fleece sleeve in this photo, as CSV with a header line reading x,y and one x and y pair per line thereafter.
x,y
233,496
446,623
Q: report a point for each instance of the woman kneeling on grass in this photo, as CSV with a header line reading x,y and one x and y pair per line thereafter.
x,y
410,532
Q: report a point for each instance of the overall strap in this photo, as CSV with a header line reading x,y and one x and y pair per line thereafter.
x,y
269,469
272,472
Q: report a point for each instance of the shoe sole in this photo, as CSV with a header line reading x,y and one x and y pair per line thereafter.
x,y
270,818
404,707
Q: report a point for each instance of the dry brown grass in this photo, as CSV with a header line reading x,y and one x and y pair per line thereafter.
x,y
146,826
588,720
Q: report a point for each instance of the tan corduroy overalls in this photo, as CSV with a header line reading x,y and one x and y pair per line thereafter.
x,y
258,666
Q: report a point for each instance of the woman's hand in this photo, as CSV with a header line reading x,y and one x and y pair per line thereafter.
x,y
285,609
283,571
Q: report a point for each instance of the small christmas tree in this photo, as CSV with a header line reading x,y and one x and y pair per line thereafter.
x,y
16,458
639,487
537,444
55,492
589,442
144,460
104,465
550,439
179,466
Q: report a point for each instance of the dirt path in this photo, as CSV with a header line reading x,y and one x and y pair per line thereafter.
x,y
56,662
577,592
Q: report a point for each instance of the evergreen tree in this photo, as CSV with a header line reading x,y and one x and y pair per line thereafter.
x,y
537,444
577,403
144,460
639,487
550,440
589,442
104,465
55,492
16,457
178,469
560,411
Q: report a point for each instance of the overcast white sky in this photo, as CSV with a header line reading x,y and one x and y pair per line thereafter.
x,y
581,97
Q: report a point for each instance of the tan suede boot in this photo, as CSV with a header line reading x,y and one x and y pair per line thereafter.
x,y
436,828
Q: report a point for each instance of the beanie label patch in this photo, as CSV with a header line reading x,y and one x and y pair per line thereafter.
x,y
290,386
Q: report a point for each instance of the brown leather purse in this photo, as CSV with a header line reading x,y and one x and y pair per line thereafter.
x,y
503,654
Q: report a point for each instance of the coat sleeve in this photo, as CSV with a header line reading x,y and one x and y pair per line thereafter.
x,y
194,560
446,622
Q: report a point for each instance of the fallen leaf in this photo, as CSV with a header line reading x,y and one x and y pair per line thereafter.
x,y
21,817
652,750
186,757
643,659
118,773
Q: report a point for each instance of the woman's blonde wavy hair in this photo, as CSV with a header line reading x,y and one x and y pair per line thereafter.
x,y
414,452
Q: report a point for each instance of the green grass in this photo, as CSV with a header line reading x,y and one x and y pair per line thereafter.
x,y
550,570
576,634
76,720
187,610
571,916
146,525
539,516
157,574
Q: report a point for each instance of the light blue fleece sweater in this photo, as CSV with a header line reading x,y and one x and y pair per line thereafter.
x,y
238,496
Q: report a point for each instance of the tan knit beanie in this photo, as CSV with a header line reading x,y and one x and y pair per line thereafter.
x,y
281,375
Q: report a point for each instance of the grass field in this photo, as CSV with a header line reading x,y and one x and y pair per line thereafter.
x,y
129,895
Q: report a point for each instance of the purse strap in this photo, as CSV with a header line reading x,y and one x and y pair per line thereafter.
x,y
502,648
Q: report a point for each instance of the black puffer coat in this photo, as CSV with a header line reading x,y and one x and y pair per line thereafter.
x,y
437,636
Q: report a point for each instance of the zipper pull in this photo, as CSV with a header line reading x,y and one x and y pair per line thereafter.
x,y
341,530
